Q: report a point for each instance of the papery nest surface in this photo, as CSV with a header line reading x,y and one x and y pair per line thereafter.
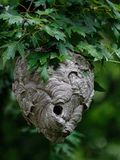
x,y
55,107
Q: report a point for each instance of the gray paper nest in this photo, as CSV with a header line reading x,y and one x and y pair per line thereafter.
x,y
55,107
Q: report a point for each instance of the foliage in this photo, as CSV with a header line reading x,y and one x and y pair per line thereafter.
x,y
50,29
67,148
46,31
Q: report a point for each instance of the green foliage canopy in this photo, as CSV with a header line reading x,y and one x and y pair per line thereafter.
x,y
47,30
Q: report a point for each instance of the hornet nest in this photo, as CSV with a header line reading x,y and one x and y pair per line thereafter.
x,y
54,107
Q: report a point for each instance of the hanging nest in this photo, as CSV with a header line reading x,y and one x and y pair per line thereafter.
x,y
54,107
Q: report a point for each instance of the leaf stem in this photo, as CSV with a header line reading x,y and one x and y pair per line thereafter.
x,y
23,6
113,61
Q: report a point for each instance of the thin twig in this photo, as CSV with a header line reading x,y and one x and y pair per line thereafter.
x,y
30,5
23,6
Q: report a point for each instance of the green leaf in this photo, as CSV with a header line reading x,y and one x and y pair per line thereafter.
x,y
59,35
33,60
43,58
114,9
35,21
74,139
9,52
45,12
12,19
62,48
34,39
20,48
90,49
117,52
43,72
11,49
77,29
106,54
64,57
39,3
70,145
65,48
53,55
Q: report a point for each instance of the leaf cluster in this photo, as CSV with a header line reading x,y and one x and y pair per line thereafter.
x,y
46,31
